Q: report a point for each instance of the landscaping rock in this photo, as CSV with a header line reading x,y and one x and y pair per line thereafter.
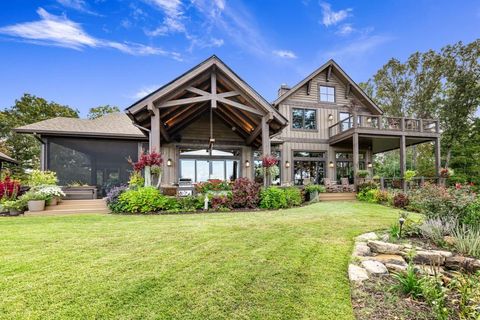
x,y
396,267
446,254
374,267
428,270
385,247
449,240
390,258
367,236
356,273
429,258
460,262
361,250
385,237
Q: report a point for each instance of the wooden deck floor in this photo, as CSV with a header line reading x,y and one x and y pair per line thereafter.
x,y
74,207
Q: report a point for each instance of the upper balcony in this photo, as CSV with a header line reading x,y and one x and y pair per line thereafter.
x,y
382,125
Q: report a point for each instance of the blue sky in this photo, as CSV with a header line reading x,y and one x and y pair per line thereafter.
x,y
86,53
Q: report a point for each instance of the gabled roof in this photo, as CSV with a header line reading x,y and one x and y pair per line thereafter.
x,y
5,158
212,61
339,72
113,125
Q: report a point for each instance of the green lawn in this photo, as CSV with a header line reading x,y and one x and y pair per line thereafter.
x,y
286,264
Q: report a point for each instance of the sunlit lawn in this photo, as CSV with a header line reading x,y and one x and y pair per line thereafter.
x,y
286,264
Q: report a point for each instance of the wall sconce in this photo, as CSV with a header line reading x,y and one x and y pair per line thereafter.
x,y
330,164
247,163
369,120
370,165
330,117
287,164
169,162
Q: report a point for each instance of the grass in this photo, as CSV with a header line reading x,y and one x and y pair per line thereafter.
x,y
287,264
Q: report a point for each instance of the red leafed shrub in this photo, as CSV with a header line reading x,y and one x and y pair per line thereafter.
x,y
9,188
246,193
147,160
269,161
212,185
221,202
400,200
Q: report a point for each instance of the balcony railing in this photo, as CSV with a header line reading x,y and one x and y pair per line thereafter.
x,y
385,123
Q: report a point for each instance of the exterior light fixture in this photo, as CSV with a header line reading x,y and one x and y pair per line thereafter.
x,y
169,162
369,119
370,165
330,164
287,164
247,163
330,117
401,221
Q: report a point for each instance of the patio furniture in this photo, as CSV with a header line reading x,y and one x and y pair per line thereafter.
x,y
346,186
330,185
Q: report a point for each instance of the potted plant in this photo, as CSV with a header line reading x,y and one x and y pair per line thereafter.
x,y
146,162
268,164
313,190
362,174
54,193
35,200
15,207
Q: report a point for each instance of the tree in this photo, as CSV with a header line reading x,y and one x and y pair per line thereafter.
x,y
28,109
97,112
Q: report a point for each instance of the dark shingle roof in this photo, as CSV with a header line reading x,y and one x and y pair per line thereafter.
x,y
116,124
5,158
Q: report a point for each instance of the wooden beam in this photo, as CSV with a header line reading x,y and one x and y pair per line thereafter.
x,y
213,89
230,122
254,135
329,73
184,101
240,117
193,115
200,92
237,119
403,161
164,132
240,106
309,87
186,114
347,90
355,158
155,126
228,94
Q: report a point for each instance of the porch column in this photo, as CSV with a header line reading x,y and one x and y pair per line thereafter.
x,y
155,129
265,146
403,161
355,158
438,162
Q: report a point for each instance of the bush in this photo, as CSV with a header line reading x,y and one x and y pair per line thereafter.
x,y
112,198
212,185
369,195
436,229
467,241
369,185
273,198
472,215
141,200
315,188
136,180
38,178
362,173
245,193
293,196
400,200
381,196
221,203
9,189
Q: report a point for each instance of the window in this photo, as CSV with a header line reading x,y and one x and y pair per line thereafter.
x,y
258,169
304,119
327,94
308,167
344,165
346,121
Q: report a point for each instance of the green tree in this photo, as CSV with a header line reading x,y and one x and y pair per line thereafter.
x,y
28,109
97,112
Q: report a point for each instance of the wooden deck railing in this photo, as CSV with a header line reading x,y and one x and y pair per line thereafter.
x,y
397,182
385,123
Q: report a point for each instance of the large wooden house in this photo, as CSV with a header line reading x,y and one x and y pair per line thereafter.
x,y
210,124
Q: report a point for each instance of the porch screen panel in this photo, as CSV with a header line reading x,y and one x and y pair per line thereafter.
x,y
99,162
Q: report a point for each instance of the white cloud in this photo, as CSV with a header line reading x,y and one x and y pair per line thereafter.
x,y
331,17
142,92
345,29
284,54
78,5
358,48
62,32
173,21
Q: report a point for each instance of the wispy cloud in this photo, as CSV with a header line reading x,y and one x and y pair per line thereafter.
x,y
142,92
62,32
174,16
287,54
330,17
345,29
359,47
79,5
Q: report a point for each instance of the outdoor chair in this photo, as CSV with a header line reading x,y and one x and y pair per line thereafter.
x,y
330,185
346,186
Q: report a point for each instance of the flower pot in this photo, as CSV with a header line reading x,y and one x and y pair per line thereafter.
x,y
53,201
16,212
36,205
313,196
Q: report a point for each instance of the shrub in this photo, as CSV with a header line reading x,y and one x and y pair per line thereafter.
x,y
435,294
190,203
362,173
136,180
273,198
246,193
468,288
369,185
368,196
472,215
18,205
112,198
38,178
212,185
400,200
9,189
436,229
409,175
141,200
381,196
221,203
315,188
467,241
293,196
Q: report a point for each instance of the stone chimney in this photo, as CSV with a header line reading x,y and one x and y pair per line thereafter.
x,y
283,88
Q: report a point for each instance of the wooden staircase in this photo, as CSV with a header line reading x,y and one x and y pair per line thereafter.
x,y
337,196
74,207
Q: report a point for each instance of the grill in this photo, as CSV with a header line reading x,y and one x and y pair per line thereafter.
x,y
185,187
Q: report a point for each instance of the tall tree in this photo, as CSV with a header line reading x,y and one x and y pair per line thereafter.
x,y
28,109
97,112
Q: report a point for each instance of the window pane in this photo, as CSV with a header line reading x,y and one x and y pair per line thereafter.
x,y
331,91
323,89
232,170
203,170
310,119
218,170
308,154
331,98
187,169
297,121
323,97
306,172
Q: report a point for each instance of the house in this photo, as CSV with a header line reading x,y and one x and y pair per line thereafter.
x,y
210,124
6,159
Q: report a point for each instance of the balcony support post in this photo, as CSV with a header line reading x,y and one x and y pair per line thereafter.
x,y
355,158
403,161
437,157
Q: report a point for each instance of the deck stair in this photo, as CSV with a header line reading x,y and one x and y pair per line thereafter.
x,y
337,196
75,206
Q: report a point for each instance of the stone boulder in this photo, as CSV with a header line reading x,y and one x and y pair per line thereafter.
x,y
356,273
385,247
460,262
392,267
361,250
374,268
390,258
366,237
429,270
429,258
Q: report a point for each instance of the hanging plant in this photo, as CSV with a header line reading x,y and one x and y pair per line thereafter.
x,y
269,163
145,162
